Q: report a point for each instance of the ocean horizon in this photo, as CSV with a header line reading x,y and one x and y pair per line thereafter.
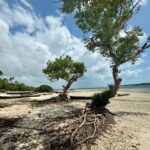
x,y
144,87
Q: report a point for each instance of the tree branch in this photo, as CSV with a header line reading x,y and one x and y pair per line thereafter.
x,y
129,14
130,57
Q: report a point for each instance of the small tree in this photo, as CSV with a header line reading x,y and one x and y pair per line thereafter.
x,y
66,69
103,21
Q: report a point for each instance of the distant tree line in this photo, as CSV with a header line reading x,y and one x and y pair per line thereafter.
x,y
11,85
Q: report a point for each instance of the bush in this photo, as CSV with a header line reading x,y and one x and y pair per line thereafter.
x,y
5,85
101,99
44,88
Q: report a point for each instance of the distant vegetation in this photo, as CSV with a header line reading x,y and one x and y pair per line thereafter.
x,y
9,85
44,88
138,84
6,85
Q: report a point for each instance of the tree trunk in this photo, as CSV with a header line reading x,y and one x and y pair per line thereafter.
x,y
67,87
117,81
63,96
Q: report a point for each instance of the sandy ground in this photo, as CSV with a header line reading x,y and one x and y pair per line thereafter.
x,y
132,129
132,115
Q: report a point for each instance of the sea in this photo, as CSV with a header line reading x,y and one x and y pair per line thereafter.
x,y
144,87
137,87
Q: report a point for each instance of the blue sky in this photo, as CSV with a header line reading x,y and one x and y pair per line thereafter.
x,y
34,31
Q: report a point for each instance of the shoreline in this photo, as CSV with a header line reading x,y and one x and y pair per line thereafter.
x,y
120,90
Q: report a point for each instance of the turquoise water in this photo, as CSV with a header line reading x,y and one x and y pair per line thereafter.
x,y
140,88
136,88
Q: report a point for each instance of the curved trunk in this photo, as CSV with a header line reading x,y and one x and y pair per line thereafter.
x,y
100,101
63,95
117,81
67,87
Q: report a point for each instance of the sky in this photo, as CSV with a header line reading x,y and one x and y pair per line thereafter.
x,y
33,32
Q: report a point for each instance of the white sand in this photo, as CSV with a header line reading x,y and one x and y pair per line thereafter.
x,y
132,129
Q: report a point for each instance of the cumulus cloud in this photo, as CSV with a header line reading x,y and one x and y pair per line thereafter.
x,y
27,41
144,2
25,3
131,73
142,39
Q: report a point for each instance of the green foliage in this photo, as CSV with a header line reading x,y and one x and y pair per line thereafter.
x,y
64,68
43,88
5,85
8,85
101,99
103,21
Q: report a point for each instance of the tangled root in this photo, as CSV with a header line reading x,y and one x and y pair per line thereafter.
x,y
84,130
87,128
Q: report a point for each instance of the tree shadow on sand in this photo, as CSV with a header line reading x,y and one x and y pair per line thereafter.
x,y
25,129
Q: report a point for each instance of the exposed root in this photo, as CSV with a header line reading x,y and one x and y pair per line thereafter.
x,y
84,130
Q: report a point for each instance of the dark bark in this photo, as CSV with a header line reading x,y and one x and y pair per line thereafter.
x,y
63,96
117,81
100,101
67,87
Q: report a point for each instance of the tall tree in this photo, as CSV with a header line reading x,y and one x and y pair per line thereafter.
x,y
66,69
102,21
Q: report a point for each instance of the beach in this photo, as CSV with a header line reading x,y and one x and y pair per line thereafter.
x,y
132,115
131,112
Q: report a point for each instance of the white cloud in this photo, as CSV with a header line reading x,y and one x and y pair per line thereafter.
x,y
25,3
122,33
128,65
25,52
144,2
142,38
17,16
131,73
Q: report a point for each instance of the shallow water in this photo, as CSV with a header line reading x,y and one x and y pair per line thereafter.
x,y
131,88
137,88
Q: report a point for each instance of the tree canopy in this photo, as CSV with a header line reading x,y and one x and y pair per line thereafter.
x,y
64,68
103,22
